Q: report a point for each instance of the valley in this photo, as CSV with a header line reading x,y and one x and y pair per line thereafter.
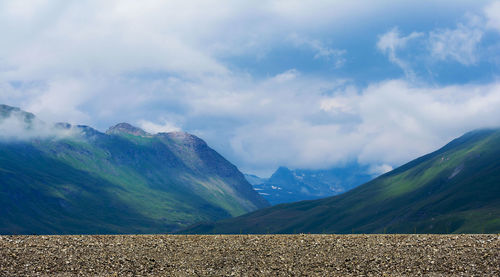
x,y
285,185
455,189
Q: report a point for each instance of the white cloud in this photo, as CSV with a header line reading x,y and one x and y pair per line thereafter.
x,y
392,41
16,127
286,76
459,44
387,123
340,105
42,39
492,12
100,37
166,65
336,56
379,169
344,103
154,128
401,121
61,97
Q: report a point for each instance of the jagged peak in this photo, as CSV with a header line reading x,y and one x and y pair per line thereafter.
x,y
283,170
126,128
281,174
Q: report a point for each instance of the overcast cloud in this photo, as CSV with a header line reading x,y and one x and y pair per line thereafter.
x,y
265,84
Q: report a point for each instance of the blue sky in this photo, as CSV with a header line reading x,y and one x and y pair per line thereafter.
x,y
304,84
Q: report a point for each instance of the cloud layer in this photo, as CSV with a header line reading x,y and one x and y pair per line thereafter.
x,y
17,126
166,66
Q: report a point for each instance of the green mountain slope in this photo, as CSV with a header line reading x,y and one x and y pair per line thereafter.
x,y
121,181
453,190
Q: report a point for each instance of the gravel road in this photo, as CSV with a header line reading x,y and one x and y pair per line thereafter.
x,y
251,255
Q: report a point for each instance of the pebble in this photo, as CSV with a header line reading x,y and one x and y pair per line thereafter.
x,y
250,255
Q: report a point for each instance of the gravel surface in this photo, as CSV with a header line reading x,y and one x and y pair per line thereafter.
x,y
251,255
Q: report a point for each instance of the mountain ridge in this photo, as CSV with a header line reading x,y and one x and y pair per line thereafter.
x,y
123,181
455,189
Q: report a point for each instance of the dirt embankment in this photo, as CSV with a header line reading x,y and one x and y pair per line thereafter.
x,y
251,255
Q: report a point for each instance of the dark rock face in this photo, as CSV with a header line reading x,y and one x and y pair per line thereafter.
x,y
197,155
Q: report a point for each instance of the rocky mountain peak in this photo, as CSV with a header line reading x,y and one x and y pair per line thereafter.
x,y
184,138
125,128
282,174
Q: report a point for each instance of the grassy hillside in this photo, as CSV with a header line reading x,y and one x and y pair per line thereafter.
x,y
453,190
124,181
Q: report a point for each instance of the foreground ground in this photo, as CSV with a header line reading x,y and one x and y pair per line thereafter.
x,y
250,255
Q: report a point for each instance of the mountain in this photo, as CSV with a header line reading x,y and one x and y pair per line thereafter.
x,y
8,111
286,185
254,179
66,179
455,189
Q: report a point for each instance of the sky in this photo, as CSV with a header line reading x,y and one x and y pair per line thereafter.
x,y
303,84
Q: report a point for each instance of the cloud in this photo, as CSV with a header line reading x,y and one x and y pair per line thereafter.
x,y
336,56
169,65
492,12
58,97
286,76
400,120
459,44
379,169
43,39
19,126
392,41
389,123
154,128
81,38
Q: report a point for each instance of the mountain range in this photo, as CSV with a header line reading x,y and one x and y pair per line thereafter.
x,y
285,185
455,189
73,179
65,179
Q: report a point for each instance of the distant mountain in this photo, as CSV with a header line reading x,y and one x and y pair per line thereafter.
x,y
254,180
455,189
286,185
66,179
